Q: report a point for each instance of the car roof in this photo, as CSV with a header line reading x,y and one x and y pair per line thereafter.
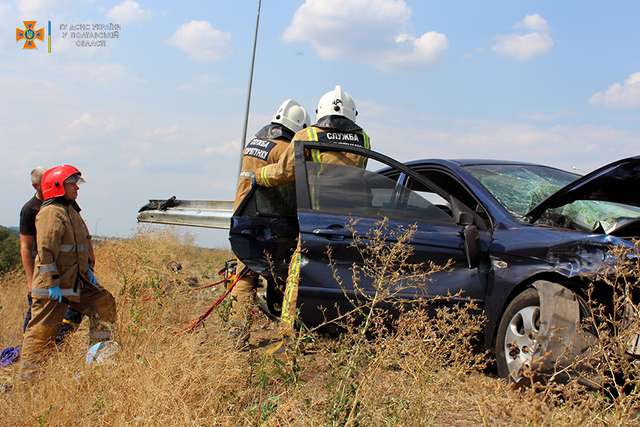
x,y
471,162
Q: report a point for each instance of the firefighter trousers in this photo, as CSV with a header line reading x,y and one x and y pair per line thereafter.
x,y
38,342
243,296
289,303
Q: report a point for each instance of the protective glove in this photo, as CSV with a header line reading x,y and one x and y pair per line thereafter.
x,y
251,176
55,294
92,277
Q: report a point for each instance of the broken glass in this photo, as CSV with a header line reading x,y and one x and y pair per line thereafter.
x,y
520,188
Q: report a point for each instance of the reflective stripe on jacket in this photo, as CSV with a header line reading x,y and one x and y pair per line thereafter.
x,y
265,149
63,250
329,129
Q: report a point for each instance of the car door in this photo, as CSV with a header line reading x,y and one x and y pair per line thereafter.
x,y
335,201
264,230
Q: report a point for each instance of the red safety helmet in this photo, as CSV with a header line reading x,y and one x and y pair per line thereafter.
x,y
53,180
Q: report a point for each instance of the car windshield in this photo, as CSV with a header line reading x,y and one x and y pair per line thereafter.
x,y
520,188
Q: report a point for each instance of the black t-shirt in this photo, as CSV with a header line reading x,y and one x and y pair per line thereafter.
x,y
28,217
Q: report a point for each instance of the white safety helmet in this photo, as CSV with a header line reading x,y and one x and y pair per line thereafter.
x,y
291,115
337,102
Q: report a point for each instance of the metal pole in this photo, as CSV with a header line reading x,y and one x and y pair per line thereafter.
x,y
246,111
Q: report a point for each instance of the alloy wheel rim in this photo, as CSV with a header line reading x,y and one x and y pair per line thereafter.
x,y
521,340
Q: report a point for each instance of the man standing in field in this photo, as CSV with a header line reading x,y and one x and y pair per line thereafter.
x,y
63,271
28,251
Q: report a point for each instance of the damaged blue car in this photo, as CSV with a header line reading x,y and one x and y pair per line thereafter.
x,y
524,239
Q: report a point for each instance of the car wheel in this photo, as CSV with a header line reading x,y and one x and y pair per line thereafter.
x,y
516,342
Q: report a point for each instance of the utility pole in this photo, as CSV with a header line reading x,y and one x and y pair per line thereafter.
x,y
246,111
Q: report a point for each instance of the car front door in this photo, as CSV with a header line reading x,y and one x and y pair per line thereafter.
x,y
335,201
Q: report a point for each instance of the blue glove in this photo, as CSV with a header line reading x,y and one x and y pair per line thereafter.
x,y
55,293
92,277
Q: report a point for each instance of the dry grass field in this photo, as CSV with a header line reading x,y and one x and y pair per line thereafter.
x,y
424,373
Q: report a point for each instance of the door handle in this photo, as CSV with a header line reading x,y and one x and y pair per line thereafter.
x,y
337,233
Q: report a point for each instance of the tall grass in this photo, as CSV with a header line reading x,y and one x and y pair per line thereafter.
x,y
421,372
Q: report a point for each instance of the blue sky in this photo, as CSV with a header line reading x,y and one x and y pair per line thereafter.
x,y
158,112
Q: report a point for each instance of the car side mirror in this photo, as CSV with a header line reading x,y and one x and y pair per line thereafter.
x,y
460,212
464,218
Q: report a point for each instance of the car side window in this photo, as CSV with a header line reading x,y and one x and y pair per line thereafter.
x,y
455,189
356,192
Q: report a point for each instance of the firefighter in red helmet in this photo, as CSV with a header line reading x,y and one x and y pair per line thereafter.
x,y
63,271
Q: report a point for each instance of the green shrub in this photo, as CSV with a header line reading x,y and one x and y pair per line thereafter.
x,y
9,250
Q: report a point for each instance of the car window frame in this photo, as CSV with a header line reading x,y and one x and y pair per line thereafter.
x,y
435,168
302,194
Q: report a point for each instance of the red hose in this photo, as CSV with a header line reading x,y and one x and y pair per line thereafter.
x,y
200,320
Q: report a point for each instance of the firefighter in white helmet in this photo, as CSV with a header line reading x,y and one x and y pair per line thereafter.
x,y
335,123
264,149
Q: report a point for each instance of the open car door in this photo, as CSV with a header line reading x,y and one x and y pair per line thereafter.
x,y
336,201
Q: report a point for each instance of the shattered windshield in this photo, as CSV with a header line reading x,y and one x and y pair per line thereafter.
x,y
520,188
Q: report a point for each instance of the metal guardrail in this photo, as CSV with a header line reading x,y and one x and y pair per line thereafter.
x,y
192,213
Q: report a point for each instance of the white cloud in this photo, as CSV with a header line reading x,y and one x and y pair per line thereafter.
x,y
90,124
625,95
128,11
427,49
369,31
524,46
534,22
200,41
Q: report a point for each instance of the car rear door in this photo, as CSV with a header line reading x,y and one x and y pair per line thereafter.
x,y
264,230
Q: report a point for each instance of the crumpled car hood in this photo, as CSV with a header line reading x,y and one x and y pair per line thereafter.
x,y
616,182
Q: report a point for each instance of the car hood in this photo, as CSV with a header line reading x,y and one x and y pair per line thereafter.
x,y
616,182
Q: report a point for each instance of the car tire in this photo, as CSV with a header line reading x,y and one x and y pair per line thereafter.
x,y
519,320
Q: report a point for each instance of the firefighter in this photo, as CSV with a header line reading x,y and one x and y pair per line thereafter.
x,y
63,274
336,117
265,148
28,213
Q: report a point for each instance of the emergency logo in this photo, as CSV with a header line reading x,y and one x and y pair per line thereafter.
x,y
342,138
29,34
259,148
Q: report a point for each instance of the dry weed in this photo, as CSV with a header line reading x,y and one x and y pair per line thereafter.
x,y
416,370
